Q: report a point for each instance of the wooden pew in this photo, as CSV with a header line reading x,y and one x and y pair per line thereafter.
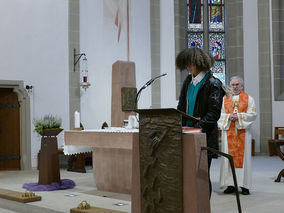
x,y
271,143
275,148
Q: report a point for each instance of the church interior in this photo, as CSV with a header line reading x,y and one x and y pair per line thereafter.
x,y
75,60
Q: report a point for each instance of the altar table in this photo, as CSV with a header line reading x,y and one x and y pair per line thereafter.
x,y
112,155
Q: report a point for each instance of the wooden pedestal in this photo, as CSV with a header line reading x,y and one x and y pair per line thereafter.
x,y
49,162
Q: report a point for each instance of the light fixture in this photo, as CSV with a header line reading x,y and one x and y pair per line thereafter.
x,y
84,69
29,88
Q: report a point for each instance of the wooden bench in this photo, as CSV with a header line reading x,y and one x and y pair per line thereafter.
x,y
274,146
278,144
271,143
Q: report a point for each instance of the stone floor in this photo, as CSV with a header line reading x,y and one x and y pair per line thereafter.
x,y
266,195
62,200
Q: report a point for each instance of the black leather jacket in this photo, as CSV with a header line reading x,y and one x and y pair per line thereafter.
x,y
207,107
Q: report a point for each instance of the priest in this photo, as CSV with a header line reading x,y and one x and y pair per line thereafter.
x,y
237,116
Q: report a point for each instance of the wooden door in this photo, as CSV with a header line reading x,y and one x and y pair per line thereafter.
x,y
9,130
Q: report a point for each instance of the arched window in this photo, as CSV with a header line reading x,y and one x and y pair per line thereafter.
x,y
206,30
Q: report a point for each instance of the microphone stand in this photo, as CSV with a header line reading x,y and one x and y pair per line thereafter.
x,y
148,83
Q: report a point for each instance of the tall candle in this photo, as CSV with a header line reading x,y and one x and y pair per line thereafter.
x,y
77,119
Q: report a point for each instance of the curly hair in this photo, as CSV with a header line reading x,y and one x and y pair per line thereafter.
x,y
194,57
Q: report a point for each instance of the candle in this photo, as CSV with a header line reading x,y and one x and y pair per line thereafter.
x,y
77,119
84,79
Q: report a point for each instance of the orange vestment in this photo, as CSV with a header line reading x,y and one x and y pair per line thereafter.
x,y
236,137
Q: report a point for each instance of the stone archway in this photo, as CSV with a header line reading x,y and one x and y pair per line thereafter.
x,y
25,120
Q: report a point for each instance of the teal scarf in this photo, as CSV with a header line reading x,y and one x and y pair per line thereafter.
x,y
191,97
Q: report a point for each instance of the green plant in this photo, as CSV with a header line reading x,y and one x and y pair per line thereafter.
x,y
47,122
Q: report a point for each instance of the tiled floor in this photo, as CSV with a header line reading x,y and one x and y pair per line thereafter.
x,y
266,196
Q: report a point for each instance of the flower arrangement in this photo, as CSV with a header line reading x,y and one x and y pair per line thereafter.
x,y
47,122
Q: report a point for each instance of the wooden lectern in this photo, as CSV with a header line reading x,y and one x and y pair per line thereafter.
x,y
173,174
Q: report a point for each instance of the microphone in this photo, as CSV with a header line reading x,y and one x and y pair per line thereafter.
x,y
148,83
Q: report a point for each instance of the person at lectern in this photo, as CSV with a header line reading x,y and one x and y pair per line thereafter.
x,y
237,116
201,96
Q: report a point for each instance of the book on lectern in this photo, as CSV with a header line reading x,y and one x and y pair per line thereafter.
x,y
191,130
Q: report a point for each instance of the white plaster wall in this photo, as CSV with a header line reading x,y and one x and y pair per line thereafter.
x,y
34,48
167,57
251,68
140,47
98,41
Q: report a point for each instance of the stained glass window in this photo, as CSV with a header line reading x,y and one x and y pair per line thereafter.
x,y
215,31
215,1
217,45
219,70
195,40
195,15
216,15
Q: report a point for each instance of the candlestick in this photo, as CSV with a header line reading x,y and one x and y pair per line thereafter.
x,y
77,119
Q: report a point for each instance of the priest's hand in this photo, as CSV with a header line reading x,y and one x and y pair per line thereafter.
x,y
233,117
